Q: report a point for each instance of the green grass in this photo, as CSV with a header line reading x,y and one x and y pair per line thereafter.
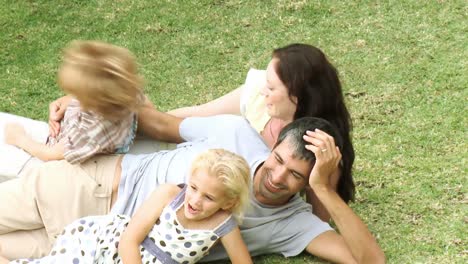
x,y
403,65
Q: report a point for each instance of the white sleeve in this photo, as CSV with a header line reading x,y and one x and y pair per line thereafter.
x,y
252,81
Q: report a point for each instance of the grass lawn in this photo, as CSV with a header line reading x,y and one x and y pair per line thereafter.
x,y
403,65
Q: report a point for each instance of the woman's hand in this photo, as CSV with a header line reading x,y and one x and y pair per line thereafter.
x,y
327,156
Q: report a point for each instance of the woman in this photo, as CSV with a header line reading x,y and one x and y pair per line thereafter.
x,y
299,81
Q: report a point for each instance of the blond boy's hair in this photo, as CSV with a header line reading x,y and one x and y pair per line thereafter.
x,y
233,171
102,77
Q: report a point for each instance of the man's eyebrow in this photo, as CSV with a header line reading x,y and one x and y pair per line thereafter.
x,y
298,174
277,156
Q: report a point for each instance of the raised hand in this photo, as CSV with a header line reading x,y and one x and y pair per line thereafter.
x,y
327,156
56,112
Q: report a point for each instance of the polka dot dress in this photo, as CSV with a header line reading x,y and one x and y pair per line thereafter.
x,y
95,239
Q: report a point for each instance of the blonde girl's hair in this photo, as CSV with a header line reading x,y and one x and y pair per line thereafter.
x,y
233,171
102,77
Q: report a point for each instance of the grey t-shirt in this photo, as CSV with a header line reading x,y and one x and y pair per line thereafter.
x,y
141,174
286,229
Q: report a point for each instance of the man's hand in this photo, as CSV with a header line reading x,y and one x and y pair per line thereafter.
x,y
327,156
14,134
56,112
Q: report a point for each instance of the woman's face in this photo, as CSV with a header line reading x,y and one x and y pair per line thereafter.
x,y
278,102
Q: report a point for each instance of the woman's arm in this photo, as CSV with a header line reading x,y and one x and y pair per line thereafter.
x,y
226,104
236,248
142,222
16,135
158,125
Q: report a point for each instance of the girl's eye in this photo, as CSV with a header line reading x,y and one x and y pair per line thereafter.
x,y
193,187
209,198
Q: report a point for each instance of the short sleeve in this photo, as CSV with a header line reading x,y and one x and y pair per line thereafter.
x,y
294,234
80,148
88,134
252,102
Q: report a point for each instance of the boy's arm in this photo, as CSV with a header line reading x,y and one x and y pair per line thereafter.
x,y
235,247
158,125
17,136
355,244
142,222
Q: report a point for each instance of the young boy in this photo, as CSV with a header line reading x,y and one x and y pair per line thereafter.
x,y
105,91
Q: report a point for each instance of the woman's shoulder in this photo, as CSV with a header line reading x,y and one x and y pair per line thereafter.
x,y
255,78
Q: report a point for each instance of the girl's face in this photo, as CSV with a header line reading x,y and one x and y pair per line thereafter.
x,y
278,102
205,196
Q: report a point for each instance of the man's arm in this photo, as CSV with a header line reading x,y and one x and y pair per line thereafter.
x,y
355,236
158,125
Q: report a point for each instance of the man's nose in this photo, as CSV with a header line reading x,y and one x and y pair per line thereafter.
x,y
279,175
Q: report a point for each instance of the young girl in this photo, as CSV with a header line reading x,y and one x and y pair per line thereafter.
x,y
106,90
176,224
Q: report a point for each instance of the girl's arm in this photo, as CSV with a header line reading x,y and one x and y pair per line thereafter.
x,y
236,248
142,222
17,136
226,104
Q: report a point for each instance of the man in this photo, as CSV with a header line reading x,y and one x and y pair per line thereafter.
x,y
45,199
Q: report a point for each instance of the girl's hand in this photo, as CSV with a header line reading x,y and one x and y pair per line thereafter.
x,y
327,156
14,134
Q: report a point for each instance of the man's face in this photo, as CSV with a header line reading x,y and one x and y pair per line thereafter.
x,y
281,176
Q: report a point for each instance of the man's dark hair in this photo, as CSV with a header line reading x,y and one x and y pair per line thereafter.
x,y
294,133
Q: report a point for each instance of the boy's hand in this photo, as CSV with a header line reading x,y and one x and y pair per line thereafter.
x,y
14,133
327,156
56,112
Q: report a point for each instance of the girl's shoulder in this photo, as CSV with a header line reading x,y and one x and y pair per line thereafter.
x,y
169,191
